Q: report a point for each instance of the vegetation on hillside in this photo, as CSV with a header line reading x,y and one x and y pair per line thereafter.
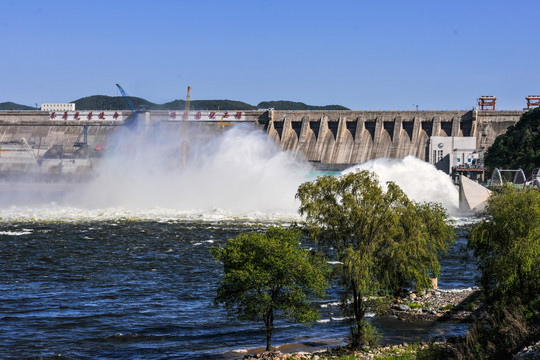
x,y
291,105
12,106
103,102
118,103
519,147
383,242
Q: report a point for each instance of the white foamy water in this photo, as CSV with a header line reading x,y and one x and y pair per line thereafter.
x,y
15,233
420,180
458,290
239,175
55,212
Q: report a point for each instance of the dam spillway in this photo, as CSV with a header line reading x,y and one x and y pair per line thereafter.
x,y
336,138
331,139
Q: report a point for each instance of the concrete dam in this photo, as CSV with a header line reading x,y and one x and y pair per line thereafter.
x,y
352,137
328,139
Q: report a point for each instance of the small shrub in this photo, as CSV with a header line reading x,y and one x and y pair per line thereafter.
x,y
369,336
471,306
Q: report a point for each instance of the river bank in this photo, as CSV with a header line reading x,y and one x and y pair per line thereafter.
x,y
459,306
438,305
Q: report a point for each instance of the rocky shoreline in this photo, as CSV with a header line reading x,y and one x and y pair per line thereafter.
x,y
436,305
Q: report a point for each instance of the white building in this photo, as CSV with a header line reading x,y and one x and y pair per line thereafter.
x,y
449,152
58,106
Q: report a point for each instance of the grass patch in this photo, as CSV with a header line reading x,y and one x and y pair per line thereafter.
x,y
471,306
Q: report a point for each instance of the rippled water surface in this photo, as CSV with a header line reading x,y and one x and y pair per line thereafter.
x,y
142,290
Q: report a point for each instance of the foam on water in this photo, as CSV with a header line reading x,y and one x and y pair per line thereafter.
x,y
458,290
15,233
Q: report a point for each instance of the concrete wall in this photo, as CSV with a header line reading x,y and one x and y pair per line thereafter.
x,y
41,131
491,124
331,138
38,131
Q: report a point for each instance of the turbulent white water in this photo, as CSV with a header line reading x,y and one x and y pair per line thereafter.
x,y
420,180
240,174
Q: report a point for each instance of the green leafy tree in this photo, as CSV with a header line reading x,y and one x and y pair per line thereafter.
x,y
269,274
519,147
383,240
507,245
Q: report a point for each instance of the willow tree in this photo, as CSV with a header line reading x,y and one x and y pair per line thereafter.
x,y
268,275
507,246
383,240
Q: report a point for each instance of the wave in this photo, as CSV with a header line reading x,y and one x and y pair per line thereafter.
x,y
458,290
15,233
331,304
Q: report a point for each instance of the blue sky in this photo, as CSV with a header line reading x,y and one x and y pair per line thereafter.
x,y
365,55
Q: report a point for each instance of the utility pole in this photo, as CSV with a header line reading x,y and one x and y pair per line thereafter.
x,y
184,127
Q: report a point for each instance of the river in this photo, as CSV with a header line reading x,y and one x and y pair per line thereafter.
x,y
129,289
119,267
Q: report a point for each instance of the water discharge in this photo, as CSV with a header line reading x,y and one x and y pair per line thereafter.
x,y
241,172
238,173
420,180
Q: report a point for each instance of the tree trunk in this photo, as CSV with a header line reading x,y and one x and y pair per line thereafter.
x,y
268,338
357,335
269,322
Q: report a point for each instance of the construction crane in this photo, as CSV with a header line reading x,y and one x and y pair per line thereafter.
x,y
134,119
84,136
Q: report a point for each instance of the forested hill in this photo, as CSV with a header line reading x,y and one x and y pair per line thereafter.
x,y
291,105
106,102
519,147
102,102
12,106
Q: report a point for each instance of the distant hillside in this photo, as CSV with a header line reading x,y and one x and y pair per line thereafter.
x,y
208,105
291,105
103,102
12,106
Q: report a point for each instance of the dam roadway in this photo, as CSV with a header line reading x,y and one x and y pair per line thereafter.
x,y
330,139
